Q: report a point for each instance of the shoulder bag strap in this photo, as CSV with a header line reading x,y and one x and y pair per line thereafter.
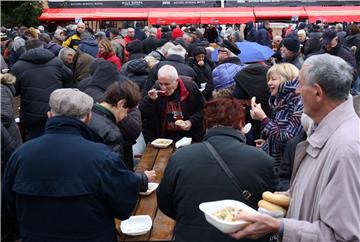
x,y
245,193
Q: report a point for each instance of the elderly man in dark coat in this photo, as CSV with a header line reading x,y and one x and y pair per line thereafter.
x,y
172,99
75,186
38,73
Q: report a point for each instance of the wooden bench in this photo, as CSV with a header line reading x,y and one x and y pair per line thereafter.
x,y
163,226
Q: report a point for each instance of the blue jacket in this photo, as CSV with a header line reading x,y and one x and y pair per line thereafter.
x,y
72,190
89,46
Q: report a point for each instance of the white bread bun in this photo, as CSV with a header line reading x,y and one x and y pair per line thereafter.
x,y
270,206
278,199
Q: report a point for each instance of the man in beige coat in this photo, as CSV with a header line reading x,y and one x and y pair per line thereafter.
x,y
325,186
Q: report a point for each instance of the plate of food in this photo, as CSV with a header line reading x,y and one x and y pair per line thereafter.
x,y
162,143
223,214
151,187
136,225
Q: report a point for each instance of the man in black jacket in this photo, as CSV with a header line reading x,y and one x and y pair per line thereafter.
x,y
331,45
38,73
170,100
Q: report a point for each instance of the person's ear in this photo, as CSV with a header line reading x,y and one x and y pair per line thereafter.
x,y
319,92
87,118
121,104
50,114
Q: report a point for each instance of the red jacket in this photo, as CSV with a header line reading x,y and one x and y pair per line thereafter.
x,y
128,39
112,58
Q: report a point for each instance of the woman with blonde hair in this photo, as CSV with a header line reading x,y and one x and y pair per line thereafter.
x,y
286,107
107,53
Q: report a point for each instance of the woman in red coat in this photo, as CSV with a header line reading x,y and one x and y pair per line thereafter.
x,y
106,52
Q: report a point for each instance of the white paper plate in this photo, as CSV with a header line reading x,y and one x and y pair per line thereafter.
x,y
151,187
136,225
162,143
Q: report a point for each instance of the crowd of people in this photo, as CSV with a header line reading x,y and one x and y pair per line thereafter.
x,y
87,98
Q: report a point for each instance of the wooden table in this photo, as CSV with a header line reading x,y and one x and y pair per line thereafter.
x,y
163,226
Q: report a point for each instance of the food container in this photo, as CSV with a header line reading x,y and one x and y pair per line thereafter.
x,y
136,225
209,208
162,143
151,187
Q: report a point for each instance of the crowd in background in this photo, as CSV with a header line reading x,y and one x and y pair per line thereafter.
x,y
144,79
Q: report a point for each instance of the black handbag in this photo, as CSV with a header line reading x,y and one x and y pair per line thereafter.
x,y
245,193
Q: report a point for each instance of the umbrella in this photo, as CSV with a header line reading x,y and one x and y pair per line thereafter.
x,y
250,52
253,52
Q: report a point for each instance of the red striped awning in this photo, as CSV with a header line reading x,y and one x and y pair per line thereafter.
x,y
226,15
279,12
333,13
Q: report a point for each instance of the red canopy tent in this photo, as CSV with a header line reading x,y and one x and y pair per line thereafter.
x,y
226,15
276,13
333,13
178,15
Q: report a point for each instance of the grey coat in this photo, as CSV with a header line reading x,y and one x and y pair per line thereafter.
x,y
325,186
10,135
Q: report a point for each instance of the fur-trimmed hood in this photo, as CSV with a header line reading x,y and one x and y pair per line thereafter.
x,y
7,79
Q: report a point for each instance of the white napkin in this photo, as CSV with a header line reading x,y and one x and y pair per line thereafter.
x,y
183,142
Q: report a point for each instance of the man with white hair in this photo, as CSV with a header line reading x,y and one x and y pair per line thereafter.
x,y
64,185
325,184
176,58
130,35
74,40
172,99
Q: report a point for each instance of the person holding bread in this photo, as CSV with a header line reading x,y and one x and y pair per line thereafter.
x,y
325,185
175,105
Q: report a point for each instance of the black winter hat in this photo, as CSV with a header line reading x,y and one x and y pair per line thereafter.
x,y
135,46
291,43
199,50
231,46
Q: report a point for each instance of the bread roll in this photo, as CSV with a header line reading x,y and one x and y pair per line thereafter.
x,y
270,207
278,199
180,122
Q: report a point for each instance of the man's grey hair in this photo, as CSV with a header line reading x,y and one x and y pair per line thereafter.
x,y
70,102
169,71
332,73
177,50
64,52
152,31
